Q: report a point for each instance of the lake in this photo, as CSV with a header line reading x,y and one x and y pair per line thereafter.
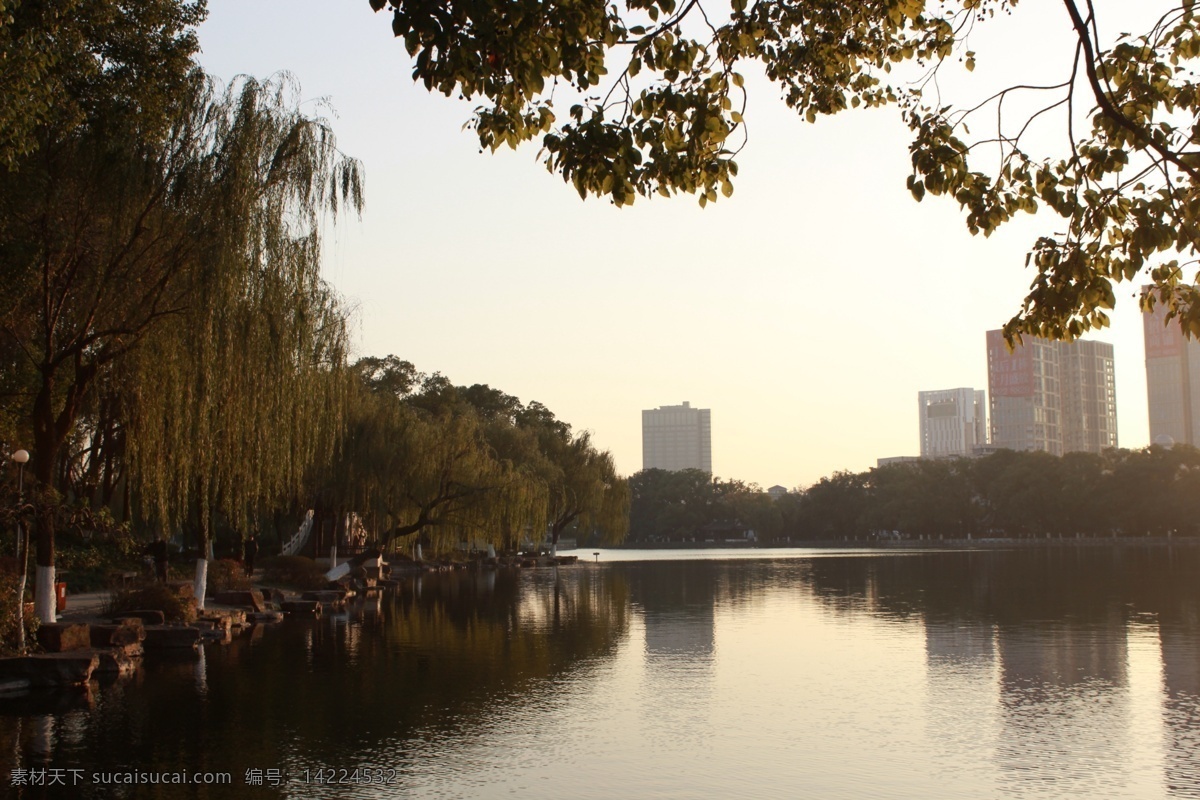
x,y
1033,673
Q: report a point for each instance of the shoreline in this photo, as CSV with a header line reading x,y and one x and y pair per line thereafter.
x,y
921,544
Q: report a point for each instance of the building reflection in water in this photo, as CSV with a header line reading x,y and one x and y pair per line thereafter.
x,y
1064,704
1180,637
1031,666
678,612
677,605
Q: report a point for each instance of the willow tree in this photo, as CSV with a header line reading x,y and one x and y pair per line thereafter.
x,y
240,394
583,488
87,247
430,472
112,237
658,101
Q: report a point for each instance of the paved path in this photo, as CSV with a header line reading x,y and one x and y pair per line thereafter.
x,y
84,605
92,604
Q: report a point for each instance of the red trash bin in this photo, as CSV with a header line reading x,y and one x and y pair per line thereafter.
x,y
60,596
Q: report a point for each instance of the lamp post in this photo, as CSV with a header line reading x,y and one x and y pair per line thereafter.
x,y
21,457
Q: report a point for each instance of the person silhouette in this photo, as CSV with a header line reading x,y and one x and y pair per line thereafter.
x,y
249,551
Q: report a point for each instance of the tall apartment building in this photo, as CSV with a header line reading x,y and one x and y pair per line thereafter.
x,y
676,438
1089,396
953,422
1053,396
1172,380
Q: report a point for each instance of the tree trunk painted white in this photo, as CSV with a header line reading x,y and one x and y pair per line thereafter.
x,y
553,549
200,587
418,556
21,613
44,604
491,551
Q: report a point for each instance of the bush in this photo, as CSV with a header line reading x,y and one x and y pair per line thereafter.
x,y
294,572
153,596
89,560
227,575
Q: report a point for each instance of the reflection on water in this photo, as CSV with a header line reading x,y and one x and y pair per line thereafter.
x,y
1043,673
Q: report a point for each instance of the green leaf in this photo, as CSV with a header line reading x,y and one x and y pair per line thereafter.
x,y
918,190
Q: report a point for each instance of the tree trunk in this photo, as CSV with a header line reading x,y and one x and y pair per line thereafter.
x,y
23,565
45,607
50,431
47,446
556,530
200,585
21,608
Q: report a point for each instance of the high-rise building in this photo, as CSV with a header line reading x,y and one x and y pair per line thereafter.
x,y
1089,396
1053,396
676,438
1023,389
953,422
1172,379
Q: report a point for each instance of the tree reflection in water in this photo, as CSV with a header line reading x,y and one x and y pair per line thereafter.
x,y
1045,672
441,654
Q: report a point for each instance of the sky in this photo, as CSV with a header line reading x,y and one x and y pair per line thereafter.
x,y
806,311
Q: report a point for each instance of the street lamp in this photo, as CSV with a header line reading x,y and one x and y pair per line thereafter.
x,y
21,457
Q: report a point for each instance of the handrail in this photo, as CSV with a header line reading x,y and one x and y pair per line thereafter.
x,y
295,544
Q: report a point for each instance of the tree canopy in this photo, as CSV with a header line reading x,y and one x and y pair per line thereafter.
x,y
160,253
423,457
656,104
70,62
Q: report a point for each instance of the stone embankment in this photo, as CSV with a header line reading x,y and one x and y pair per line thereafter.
x,y
89,644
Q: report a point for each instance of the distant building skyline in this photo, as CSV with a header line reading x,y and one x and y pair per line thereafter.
x,y
953,421
676,438
1058,397
1172,379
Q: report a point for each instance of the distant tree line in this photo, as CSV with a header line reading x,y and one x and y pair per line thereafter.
x,y
1149,492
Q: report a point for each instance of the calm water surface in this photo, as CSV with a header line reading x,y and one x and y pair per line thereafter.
x,y
1037,673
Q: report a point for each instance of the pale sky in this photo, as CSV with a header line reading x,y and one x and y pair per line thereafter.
x,y
806,311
